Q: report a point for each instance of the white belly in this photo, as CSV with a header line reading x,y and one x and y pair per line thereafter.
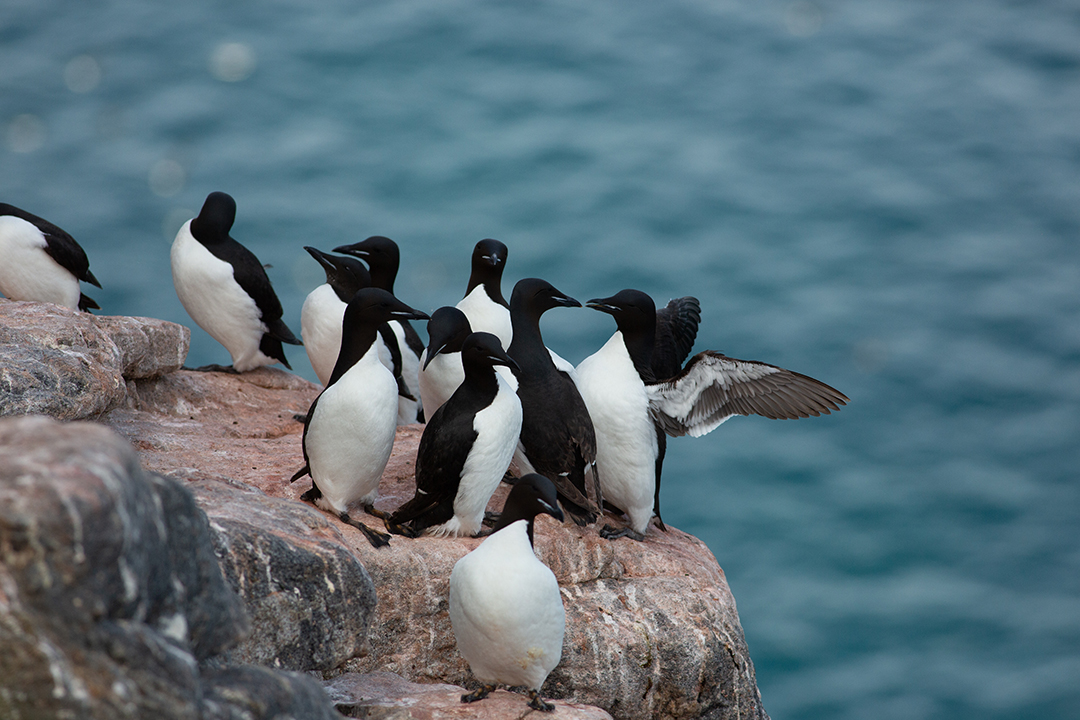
x,y
27,272
506,611
498,427
439,380
351,434
487,316
626,446
410,373
320,327
216,302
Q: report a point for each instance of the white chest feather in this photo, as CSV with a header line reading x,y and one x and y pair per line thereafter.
x,y
498,427
27,272
439,380
351,434
216,302
506,611
486,315
626,445
320,327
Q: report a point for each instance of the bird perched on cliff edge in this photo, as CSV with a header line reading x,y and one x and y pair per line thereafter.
x,y
40,262
466,447
505,606
632,408
349,431
225,290
557,437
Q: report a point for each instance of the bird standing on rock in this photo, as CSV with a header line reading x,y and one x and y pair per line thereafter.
x,y
466,447
557,437
324,308
225,290
441,371
505,606
40,262
384,258
632,408
349,431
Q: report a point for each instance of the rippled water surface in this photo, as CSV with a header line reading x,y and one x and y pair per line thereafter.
x,y
884,195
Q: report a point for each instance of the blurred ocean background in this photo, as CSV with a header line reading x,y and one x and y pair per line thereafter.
x,y
882,194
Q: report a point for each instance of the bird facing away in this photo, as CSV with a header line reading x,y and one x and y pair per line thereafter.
x,y
384,258
466,447
557,437
484,304
441,371
349,431
632,410
40,262
225,290
505,606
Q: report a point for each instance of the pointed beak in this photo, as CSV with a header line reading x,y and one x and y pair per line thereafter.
x,y
492,260
409,313
602,305
356,249
322,258
432,351
555,512
562,300
504,359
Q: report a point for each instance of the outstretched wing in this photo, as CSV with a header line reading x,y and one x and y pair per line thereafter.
x,y
714,387
676,330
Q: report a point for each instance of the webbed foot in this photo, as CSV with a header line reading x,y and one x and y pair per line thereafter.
x,y
610,533
478,694
538,703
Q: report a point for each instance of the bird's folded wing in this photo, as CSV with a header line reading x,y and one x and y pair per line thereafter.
x,y
714,387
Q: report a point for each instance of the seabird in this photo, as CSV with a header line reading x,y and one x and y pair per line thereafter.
x,y
505,606
466,447
440,364
383,258
41,262
349,431
484,304
632,408
557,437
225,290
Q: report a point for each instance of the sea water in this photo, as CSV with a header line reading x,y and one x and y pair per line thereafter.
x,y
884,195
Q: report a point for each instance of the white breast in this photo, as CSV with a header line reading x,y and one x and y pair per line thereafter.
x,y
439,380
626,445
351,434
216,302
498,427
486,315
320,327
506,611
27,272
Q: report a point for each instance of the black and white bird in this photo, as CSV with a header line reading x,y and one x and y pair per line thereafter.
x,y
633,405
505,606
441,371
40,262
383,258
349,431
225,290
484,304
324,308
466,447
557,437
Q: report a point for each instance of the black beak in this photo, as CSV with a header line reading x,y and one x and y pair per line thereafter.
x,y
322,258
555,512
355,249
504,359
433,351
408,313
562,300
602,305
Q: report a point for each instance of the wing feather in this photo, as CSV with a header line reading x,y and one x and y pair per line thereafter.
x,y
714,387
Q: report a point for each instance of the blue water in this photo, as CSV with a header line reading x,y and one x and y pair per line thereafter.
x,y
881,194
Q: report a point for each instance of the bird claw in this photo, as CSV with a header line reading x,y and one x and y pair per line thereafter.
x,y
479,694
538,703
611,533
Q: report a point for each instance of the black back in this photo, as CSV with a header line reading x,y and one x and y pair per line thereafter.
x,y
488,263
211,229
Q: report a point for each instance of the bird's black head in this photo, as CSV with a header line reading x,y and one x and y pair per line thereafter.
x,y
215,219
531,495
633,310
375,306
346,275
537,296
489,253
484,349
447,330
382,256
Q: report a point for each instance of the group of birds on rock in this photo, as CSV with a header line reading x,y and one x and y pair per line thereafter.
x,y
587,440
